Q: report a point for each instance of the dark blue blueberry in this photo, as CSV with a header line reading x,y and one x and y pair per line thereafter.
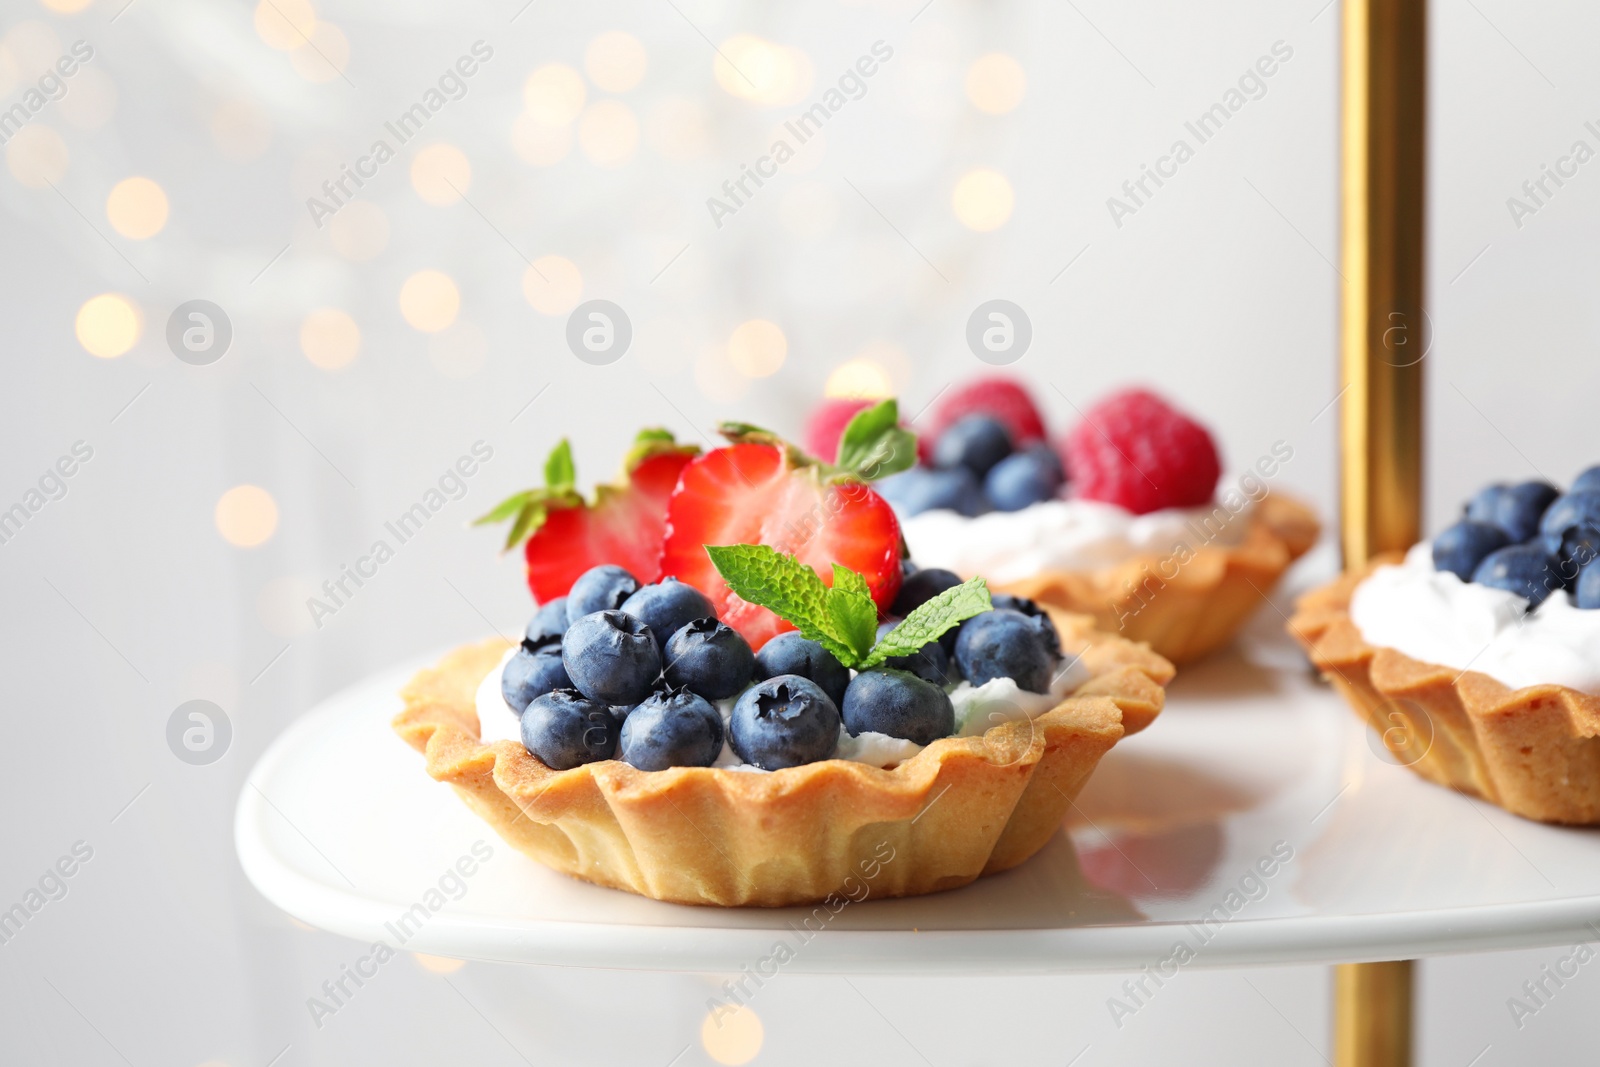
x,y
1525,570
907,568
1570,528
612,657
601,588
709,658
922,587
671,728
668,606
976,442
1006,644
1030,608
899,704
1482,506
547,624
930,663
1023,478
784,722
1460,548
1588,594
532,673
566,729
1518,508
1587,482
924,489
789,653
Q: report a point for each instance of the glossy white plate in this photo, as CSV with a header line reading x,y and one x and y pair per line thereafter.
x,y
340,826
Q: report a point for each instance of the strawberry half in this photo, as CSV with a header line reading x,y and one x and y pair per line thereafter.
x,y
624,525
760,490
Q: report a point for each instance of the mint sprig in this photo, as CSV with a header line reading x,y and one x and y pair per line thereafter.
x,y
843,619
931,619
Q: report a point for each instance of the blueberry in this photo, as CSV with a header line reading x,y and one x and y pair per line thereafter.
x,y
601,588
1460,548
1587,482
668,606
565,729
784,722
671,728
922,587
1006,644
1518,508
1482,506
1023,478
547,624
976,442
1030,608
907,568
532,673
1570,528
1589,587
789,653
899,704
709,658
612,657
1522,569
930,663
924,489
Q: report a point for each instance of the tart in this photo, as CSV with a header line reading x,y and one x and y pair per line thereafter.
x,y
1123,518
1509,596
1185,608
961,808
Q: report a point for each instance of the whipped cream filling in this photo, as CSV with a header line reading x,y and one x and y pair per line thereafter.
x,y
977,709
1435,617
1062,535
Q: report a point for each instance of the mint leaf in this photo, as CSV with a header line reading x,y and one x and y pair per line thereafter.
x,y
931,619
559,470
851,608
874,445
784,586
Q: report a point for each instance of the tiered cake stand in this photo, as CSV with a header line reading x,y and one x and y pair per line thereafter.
x,y
1259,823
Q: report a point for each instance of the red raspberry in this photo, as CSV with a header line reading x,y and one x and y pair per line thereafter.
x,y
826,425
1134,450
1002,397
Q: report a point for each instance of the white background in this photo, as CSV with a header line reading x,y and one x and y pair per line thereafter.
x,y
123,600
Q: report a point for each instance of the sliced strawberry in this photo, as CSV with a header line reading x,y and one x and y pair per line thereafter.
x,y
624,525
759,492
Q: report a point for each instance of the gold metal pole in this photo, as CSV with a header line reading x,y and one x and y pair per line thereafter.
x,y
1384,329
1384,335
1372,1016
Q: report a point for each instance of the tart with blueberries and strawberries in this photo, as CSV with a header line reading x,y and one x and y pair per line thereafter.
x,y
1477,655
737,688
1123,517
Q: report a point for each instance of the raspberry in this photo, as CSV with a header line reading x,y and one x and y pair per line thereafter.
x,y
1003,398
1134,450
826,425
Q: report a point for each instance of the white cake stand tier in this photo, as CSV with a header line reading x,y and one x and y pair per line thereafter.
x,y
1253,824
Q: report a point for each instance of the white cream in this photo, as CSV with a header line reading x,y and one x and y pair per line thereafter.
x,y
977,708
1061,535
1435,617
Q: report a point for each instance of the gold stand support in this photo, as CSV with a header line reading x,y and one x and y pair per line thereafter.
x,y
1372,1014
1384,335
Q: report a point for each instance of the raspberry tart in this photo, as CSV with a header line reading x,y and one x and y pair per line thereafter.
x,y
772,706
1477,656
1122,519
